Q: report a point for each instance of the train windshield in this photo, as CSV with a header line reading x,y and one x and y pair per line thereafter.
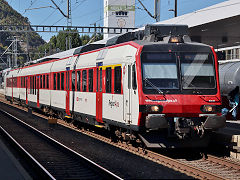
x,y
197,71
159,72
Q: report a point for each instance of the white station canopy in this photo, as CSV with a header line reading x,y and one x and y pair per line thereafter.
x,y
217,25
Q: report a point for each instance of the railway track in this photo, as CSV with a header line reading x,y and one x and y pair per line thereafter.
x,y
205,168
53,159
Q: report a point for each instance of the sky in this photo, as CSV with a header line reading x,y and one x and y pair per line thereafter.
x,y
88,12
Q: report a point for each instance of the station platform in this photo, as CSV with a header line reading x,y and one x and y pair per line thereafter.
x,y
10,168
229,137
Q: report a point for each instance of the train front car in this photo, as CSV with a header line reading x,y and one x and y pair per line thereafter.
x,y
180,101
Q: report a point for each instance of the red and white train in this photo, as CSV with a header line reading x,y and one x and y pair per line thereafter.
x,y
154,84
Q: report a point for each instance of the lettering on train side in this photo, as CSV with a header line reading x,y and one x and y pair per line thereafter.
x,y
113,103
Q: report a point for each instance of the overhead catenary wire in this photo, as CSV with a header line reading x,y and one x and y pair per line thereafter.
x,y
72,11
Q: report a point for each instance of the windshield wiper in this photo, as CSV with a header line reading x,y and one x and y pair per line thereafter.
x,y
153,86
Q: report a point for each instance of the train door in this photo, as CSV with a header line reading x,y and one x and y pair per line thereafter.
x,y
38,87
127,93
26,85
67,92
99,95
130,94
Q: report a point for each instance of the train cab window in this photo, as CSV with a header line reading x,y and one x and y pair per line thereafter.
x,y
47,81
84,80
197,70
44,81
90,80
134,78
54,81
108,80
78,80
62,81
117,80
73,80
58,81
159,72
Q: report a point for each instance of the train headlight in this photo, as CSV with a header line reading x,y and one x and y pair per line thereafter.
x,y
150,108
154,108
208,108
175,39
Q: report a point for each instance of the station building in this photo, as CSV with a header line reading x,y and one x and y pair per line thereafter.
x,y
217,25
120,14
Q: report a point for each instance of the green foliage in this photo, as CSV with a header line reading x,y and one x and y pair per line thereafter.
x,y
9,16
58,43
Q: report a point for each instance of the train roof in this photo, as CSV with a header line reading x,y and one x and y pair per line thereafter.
x,y
150,34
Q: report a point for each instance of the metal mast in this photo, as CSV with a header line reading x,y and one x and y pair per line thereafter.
x,y
157,10
69,12
175,10
69,24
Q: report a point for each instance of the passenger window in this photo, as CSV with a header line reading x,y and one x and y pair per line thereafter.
x,y
90,80
40,81
84,80
47,81
54,81
108,80
58,81
117,80
44,83
78,80
35,85
62,81
73,80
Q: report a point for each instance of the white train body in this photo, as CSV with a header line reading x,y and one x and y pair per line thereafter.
x,y
162,84
115,106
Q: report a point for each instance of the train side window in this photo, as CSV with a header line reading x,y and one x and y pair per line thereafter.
x,y
108,79
134,77
54,81
73,80
58,81
30,85
41,81
35,85
47,81
44,82
84,80
100,88
129,77
117,79
78,80
90,80
62,81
